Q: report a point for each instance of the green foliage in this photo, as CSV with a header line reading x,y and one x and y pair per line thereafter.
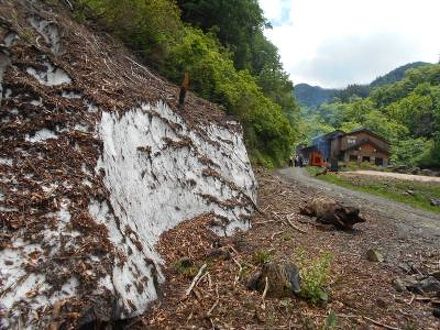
x,y
235,24
148,27
261,257
313,96
268,132
353,91
407,113
314,276
229,60
411,152
185,268
395,75
331,321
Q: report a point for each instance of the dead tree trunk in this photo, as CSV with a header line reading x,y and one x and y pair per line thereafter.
x,y
329,211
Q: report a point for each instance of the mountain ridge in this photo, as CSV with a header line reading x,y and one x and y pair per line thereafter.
x,y
313,96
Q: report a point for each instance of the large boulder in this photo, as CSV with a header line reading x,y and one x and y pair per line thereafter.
x,y
96,161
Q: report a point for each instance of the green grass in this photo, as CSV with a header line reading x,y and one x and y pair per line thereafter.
x,y
314,276
390,188
262,257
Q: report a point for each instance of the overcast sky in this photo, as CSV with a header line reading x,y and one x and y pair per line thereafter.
x,y
332,43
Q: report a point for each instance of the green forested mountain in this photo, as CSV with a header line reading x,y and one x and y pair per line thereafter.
x,y
313,96
406,112
221,45
395,75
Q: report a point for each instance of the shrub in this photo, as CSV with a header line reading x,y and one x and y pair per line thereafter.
x,y
268,133
185,267
262,257
262,102
314,276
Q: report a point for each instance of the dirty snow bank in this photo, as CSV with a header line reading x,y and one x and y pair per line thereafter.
x,y
160,173
94,166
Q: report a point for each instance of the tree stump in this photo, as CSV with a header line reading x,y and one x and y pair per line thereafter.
x,y
282,278
329,211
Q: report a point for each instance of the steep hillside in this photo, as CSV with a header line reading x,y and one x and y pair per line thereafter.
x,y
95,163
222,47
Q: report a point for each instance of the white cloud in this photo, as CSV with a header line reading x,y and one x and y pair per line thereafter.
x,y
333,43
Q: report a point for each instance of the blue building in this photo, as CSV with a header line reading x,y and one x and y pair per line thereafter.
x,y
322,143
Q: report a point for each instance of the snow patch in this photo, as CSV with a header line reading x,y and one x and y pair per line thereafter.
x,y
135,271
52,76
4,63
8,93
49,31
6,161
157,177
37,103
7,209
41,135
81,128
91,107
71,95
10,39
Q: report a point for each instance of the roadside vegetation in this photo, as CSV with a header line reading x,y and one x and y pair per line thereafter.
x,y
315,274
415,194
229,60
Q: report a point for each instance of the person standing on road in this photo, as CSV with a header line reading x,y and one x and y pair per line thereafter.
x,y
300,161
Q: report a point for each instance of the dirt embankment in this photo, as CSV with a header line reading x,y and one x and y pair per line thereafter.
x,y
361,292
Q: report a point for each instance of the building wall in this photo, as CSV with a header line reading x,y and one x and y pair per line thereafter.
x,y
366,150
362,135
335,148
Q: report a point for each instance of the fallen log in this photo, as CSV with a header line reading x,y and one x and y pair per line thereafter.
x,y
329,211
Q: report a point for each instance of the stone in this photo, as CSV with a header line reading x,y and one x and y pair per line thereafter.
x,y
427,286
401,169
405,267
217,253
436,275
435,202
374,256
430,285
427,172
283,279
399,285
415,170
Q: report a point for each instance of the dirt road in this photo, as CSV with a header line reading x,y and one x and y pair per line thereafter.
x,y
408,220
400,176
